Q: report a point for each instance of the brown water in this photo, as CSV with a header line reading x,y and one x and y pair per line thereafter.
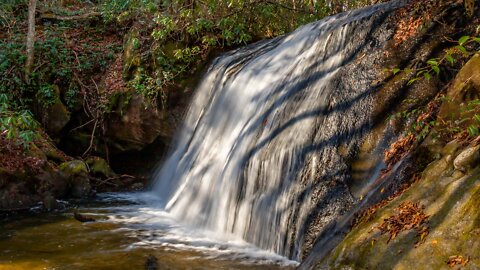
x,y
125,233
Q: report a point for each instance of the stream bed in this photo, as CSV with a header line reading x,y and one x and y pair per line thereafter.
x,y
126,232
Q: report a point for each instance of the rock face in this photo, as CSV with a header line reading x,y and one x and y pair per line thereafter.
x,y
136,125
55,116
465,87
447,192
452,207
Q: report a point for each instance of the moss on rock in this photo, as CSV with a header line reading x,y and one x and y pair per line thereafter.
x,y
75,167
452,205
77,174
99,167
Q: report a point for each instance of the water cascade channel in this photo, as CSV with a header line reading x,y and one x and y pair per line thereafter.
x,y
260,167
258,154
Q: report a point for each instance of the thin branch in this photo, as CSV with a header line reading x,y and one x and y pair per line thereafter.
x,y
92,137
73,129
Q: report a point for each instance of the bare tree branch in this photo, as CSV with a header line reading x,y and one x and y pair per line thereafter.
x,y
32,6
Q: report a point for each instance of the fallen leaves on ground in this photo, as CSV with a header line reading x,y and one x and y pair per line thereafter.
x,y
402,146
409,216
367,214
13,158
457,260
399,148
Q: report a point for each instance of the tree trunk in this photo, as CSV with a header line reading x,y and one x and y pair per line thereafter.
x,y
32,6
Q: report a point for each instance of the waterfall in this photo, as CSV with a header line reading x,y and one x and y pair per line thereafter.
x,y
260,154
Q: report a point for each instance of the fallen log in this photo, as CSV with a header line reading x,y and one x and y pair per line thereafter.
x,y
50,16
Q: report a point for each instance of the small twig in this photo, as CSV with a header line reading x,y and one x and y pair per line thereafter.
x,y
109,180
106,181
82,125
39,66
97,117
91,138
76,57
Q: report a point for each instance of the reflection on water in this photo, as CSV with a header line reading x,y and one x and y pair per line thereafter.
x,y
126,232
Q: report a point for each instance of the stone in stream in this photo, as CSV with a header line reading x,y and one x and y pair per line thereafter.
x,y
82,218
151,263
50,203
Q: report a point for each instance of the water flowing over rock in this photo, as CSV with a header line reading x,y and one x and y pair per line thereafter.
x,y
263,151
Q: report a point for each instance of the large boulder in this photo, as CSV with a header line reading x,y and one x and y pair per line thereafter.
x,y
55,116
467,159
135,125
77,174
99,167
451,230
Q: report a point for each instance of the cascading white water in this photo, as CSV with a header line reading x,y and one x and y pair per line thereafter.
x,y
263,129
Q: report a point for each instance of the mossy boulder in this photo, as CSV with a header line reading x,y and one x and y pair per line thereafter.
x,y
131,55
75,167
77,174
99,167
58,117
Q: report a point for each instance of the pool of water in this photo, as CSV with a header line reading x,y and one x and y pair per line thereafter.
x,y
126,232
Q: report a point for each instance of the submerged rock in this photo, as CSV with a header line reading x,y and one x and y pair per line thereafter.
x,y
50,203
82,218
151,263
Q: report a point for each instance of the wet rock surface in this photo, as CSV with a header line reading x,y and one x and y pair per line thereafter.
x,y
452,224
446,190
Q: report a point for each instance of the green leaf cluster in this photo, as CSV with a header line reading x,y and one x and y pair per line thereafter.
x,y
433,65
17,125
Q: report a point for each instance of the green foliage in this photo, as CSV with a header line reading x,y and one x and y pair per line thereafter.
x,y
9,13
71,95
46,95
200,27
149,87
466,123
19,126
466,46
118,9
67,56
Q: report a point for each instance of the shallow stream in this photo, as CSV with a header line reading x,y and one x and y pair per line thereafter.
x,y
126,232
